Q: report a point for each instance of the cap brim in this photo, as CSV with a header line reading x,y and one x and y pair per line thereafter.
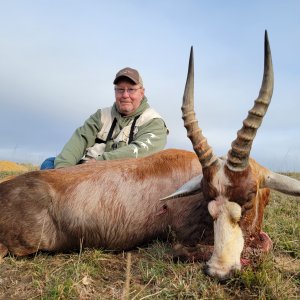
x,y
126,77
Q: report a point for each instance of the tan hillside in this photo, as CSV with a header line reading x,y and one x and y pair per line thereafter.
x,y
9,166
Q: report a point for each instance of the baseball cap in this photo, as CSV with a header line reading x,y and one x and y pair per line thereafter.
x,y
129,73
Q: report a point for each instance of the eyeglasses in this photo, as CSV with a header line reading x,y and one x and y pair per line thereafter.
x,y
130,91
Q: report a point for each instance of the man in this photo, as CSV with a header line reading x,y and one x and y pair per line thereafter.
x,y
128,129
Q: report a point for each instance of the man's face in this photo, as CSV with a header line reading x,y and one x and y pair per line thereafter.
x,y
128,96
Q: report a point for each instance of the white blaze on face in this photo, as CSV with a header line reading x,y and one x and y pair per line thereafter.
x,y
228,238
220,180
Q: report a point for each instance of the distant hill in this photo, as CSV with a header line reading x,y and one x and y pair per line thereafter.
x,y
9,166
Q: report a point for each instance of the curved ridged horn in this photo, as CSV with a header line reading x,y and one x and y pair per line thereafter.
x,y
238,155
194,133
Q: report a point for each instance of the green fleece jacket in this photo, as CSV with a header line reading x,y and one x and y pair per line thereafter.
x,y
154,133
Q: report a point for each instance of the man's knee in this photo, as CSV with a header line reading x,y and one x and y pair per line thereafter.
x,y
48,164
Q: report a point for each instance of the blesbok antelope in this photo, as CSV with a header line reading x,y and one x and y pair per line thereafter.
x,y
117,204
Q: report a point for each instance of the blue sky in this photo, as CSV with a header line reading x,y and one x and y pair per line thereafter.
x,y
58,60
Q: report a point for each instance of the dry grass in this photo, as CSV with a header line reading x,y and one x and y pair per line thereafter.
x,y
151,273
9,166
9,169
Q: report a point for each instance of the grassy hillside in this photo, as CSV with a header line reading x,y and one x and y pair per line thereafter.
x,y
150,272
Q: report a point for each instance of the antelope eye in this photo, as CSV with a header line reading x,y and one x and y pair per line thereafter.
x,y
251,195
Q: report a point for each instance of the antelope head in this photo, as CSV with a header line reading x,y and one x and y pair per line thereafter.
x,y
234,178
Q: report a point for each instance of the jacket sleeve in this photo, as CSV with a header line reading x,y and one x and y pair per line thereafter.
x,y
82,138
150,138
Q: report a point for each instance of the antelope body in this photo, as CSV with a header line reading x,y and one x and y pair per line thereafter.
x,y
111,204
117,204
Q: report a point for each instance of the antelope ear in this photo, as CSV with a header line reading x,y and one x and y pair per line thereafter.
x,y
282,183
191,187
